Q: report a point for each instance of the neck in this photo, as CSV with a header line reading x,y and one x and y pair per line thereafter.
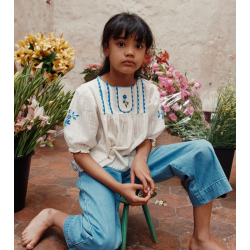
x,y
119,79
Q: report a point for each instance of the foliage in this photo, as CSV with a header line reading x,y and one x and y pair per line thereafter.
x,y
91,71
38,107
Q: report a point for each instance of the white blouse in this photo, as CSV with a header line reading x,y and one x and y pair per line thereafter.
x,y
109,122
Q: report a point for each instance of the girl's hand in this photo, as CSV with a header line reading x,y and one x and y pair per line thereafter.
x,y
128,192
139,168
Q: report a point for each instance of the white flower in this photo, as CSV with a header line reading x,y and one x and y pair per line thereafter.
x,y
157,202
165,204
160,203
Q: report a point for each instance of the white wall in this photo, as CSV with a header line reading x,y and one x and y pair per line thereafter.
x,y
199,35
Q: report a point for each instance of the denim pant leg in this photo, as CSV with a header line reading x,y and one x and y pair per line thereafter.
x,y
195,163
99,225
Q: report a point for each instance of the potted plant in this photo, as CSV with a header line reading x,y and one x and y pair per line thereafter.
x,y
39,105
91,71
222,131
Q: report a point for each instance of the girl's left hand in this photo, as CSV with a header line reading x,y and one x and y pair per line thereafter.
x,y
139,168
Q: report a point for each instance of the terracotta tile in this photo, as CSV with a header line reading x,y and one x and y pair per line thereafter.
x,y
224,214
47,152
174,200
40,170
29,212
59,143
230,243
220,229
61,149
58,165
48,190
137,248
64,173
17,243
59,237
216,204
55,158
177,225
163,188
38,162
33,197
31,176
66,154
77,206
20,228
36,156
186,238
57,202
166,240
228,203
31,186
132,209
233,192
179,191
67,182
72,193
161,211
175,181
185,212
50,244
16,222
132,237
44,179
138,222
71,211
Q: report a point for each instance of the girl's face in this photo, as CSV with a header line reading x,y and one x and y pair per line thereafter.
x,y
125,55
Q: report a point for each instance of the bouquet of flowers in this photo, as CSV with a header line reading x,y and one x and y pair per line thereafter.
x,y
91,71
222,131
38,107
53,55
180,101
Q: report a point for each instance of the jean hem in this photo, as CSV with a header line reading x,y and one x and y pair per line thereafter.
x,y
211,192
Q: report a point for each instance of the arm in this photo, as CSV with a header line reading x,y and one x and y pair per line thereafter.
x,y
127,190
140,168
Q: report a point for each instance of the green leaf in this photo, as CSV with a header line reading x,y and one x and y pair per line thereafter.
x,y
31,46
51,57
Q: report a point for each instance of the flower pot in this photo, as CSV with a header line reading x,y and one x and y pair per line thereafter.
x,y
21,176
225,156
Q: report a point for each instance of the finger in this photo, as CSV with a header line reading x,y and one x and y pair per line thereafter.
x,y
132,176
151,184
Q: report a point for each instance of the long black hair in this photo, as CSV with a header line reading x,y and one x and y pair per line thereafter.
x,y
133,25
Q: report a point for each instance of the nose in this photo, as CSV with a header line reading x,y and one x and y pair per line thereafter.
x,y
129,51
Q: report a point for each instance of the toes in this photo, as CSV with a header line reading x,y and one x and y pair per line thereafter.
x,y
30,245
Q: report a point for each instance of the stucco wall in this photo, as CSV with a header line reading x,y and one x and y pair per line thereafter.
x,y
199,35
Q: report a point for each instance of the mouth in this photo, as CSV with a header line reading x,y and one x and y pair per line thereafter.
x,y
129,62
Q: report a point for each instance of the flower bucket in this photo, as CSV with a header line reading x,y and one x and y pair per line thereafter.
x,y
21,176
225,156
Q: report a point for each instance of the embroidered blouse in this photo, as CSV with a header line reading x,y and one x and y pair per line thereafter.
x,y
109,122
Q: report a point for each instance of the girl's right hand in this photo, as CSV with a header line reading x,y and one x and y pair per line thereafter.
x,y
128,192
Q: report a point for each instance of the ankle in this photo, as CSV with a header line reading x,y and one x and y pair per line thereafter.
x,y
49,213
201,238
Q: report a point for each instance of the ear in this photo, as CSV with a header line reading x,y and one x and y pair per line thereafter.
x,y
106,50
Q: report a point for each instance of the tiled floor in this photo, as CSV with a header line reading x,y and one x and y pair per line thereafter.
x,y
52,184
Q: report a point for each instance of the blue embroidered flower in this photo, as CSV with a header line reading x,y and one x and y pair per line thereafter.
x,y
68,117
124,100
160,114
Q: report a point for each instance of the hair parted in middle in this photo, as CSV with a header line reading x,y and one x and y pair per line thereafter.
x,y
134,26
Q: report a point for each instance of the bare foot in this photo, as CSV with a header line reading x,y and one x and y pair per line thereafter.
x,y
34,231
208,244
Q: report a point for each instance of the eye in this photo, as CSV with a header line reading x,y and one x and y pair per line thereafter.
x,y
120,44
139,46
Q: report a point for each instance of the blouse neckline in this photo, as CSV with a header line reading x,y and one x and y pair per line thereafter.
x,y
118,86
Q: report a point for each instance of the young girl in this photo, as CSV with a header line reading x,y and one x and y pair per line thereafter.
x,y
110,126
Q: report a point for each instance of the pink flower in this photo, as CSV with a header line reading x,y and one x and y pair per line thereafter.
x,y
155,67
203,116
162,92
172,116
175,107
159,73
23,107
207,127
171,69
166,108
171,90
189,111
177,74
169,74
197,85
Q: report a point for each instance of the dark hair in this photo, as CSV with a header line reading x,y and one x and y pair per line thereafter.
x,y
133,25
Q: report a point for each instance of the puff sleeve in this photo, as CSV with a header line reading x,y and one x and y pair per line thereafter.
x,y
156,122
81,121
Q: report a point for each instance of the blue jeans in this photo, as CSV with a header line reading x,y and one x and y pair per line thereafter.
x,y
99,226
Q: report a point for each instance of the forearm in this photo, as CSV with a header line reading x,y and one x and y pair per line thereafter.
x,y
143,150
88,164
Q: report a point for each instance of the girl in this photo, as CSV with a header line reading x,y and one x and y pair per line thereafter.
x,y
110,126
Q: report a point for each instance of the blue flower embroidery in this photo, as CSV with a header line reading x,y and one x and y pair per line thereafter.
x,y
124,100
160,114
68,117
